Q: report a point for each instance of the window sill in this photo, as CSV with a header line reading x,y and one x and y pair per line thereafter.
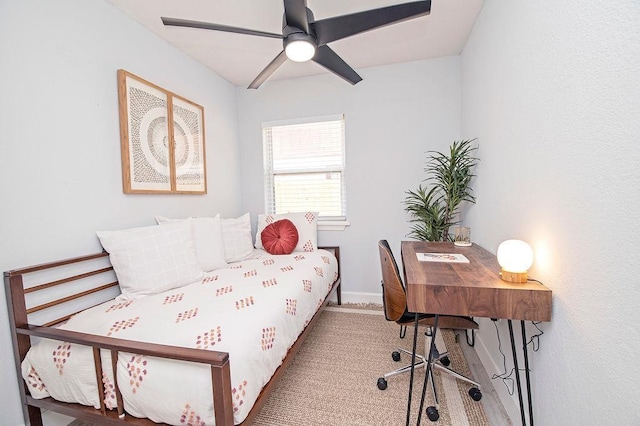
x,y
332,225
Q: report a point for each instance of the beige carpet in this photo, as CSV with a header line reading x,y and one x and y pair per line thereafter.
x,y
332,380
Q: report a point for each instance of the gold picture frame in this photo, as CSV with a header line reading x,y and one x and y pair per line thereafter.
x,y
160,155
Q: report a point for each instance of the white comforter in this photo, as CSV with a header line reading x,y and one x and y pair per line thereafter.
x,y
254,310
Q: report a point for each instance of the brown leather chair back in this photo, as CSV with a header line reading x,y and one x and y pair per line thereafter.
x,y
394,297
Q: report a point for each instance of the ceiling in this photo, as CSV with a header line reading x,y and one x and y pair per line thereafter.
x,y
239,58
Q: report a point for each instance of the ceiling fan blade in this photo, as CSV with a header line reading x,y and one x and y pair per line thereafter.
x,y
295,12
334,63
339,27
269,69
216,27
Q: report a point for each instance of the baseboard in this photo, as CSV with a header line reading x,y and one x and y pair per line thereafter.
x,y
508,401
357,298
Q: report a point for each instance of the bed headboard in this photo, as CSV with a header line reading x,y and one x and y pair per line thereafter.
x,y
51,293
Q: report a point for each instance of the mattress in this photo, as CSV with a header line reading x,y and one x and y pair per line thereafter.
x,y
254,310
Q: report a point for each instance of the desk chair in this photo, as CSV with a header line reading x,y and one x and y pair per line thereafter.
x,y
394,300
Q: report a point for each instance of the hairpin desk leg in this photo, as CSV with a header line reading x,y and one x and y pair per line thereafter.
x,y
413,364
428,373
517,372
526,371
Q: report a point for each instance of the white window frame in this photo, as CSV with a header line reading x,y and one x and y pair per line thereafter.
x,y
325,223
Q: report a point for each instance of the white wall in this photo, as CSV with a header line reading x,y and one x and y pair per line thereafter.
x,y
393,117
552,89
60,177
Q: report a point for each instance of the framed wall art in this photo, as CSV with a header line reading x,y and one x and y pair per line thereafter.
x,y
162,139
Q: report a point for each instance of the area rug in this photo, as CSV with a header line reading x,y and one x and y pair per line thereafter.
x,y
333,378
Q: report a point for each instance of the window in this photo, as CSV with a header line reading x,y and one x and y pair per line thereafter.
x,y
304,167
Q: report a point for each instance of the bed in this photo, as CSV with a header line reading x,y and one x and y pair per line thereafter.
x,y
204,353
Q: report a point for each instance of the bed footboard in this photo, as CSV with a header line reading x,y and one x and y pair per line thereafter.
x,y
218,362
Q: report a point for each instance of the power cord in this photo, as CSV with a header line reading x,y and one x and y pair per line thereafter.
x,y
534,341
504,376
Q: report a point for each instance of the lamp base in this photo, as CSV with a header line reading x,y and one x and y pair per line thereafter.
x,y
514,277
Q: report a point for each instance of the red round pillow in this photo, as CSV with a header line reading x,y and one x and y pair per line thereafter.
x,y
280,237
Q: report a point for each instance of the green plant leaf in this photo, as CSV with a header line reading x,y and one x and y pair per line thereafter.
x,y
433,209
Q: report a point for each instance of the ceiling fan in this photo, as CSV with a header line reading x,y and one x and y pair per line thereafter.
x,y
305,39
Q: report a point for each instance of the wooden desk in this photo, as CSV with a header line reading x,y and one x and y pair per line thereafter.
x,y
471,289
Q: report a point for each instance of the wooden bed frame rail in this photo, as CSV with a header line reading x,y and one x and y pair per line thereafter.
x,y
22,332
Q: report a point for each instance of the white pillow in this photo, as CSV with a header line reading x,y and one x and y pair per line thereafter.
x,y
152,259
306,223
207,240
236,234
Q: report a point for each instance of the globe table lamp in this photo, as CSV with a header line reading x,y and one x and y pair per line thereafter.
x,y
515,258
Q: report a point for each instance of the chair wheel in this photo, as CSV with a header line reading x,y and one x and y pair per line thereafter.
x,y
445,361
475,394
382,383
432,413
395,355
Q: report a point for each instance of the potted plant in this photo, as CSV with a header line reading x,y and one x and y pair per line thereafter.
x,y
434,208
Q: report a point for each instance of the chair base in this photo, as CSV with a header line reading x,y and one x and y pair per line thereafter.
x,y
439,361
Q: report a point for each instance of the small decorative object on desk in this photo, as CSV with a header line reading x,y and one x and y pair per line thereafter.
x,y
442,257
462,236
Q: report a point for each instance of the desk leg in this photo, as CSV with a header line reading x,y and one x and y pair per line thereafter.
x,y
526,371
413,364
428,373
517,372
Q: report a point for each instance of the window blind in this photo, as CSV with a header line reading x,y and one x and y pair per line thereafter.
x,y
304,166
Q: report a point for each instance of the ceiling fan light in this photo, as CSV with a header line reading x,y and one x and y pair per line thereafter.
x,y
300,47
300,50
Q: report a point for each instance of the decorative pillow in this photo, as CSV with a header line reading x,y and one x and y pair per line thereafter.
x,y
152,259
207,240
305,222
236,235
280,237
